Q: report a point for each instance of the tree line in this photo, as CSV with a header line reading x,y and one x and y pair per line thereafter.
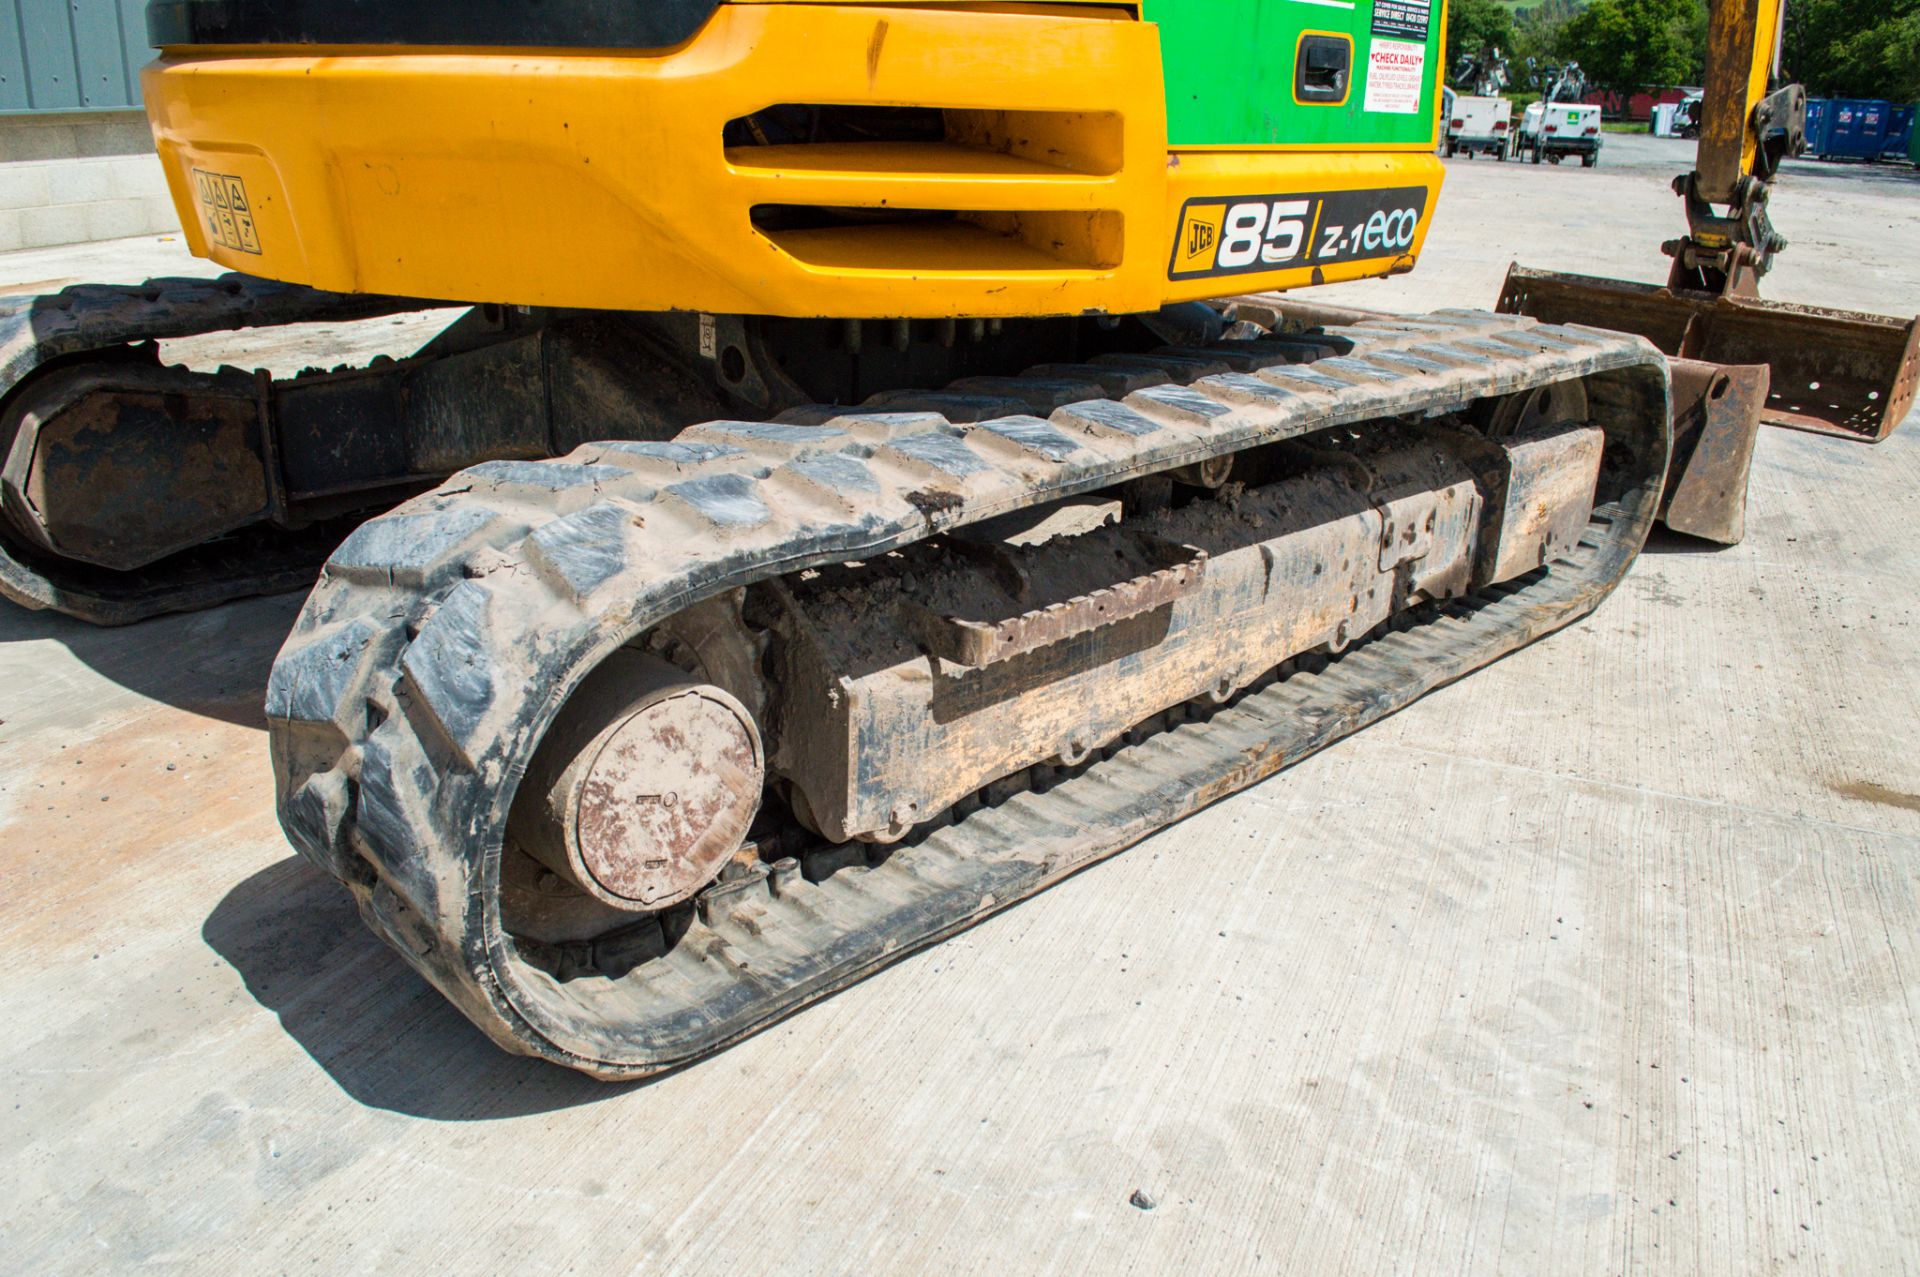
x,y
1837,48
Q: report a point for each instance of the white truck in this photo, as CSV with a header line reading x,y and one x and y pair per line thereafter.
x,y
1480,124
1552,130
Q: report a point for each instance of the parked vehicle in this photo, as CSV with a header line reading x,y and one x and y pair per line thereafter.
x,y
1554,130
1480,125
1686,118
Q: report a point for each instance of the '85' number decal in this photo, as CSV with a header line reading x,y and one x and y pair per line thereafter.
x,y
1236,235
1259,233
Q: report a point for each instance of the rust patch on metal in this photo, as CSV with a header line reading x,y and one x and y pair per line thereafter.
x,y
644,788
1838,372
976,643
1716,417
120,468
668,797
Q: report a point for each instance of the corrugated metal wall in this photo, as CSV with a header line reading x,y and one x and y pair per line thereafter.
x,y
71,55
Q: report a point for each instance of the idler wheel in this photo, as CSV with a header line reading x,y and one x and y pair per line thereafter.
x,y
644,786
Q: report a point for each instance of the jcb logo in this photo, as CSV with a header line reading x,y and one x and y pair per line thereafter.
x,y
1194,242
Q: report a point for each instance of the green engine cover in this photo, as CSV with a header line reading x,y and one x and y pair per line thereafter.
x,y
1230,71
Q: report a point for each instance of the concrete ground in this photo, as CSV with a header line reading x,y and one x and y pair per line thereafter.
x,y
1597,961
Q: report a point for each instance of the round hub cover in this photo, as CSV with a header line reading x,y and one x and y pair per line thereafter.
x,y
666,797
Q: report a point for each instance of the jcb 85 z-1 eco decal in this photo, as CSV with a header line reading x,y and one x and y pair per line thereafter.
x,y
1243,234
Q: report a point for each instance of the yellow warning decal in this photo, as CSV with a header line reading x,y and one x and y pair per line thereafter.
x,y
225,211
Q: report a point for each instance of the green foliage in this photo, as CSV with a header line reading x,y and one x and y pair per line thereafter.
x,y
1539,27
1476,26
1629,44
1854,48
1837,48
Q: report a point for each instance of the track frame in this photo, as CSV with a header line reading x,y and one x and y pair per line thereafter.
x,y
443,638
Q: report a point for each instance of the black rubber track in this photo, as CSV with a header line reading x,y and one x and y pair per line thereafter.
x,y
443,637
102,320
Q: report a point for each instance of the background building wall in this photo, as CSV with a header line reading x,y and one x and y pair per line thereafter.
x,y
76,159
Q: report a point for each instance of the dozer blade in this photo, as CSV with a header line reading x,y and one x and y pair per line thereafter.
x,y
1839,372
